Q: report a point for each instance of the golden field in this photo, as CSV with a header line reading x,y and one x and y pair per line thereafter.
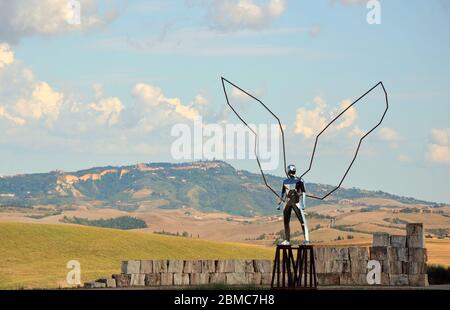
x,y
35,256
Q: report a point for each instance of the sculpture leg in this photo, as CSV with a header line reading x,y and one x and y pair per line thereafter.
x,y
287,219
302,218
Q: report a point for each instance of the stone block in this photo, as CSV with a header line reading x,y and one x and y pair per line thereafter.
x,y
180,279
418,280
385,266
153,279
217,278
417,255
341,254
199,278
337,266
236,278
332,266
415,237
249,266
108,282
345,266
358,253
399,280
415,241
166,279
131,266
253,278
352,279
225,266
359,266
327,279
239,265
398,254
320,266
266,278
146,266
137,279
398,241
396,267
89,285
187,266
319,254
175,266
385,279
380,240
379,253
414,229
414,268
159,266
221,266
330,253
94,285
192,266
208,266
263,266
111,283
122,280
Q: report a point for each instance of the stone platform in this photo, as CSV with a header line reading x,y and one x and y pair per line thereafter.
x,y
402,259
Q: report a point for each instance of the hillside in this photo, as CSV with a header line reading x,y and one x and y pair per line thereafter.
x,y
205,186
34,255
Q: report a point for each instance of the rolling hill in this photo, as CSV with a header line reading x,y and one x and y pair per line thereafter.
x,y
206,186
35,255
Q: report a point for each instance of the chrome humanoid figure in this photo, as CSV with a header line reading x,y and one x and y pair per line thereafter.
x,y
293,188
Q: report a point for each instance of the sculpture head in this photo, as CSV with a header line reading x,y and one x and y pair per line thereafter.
x,y
291,170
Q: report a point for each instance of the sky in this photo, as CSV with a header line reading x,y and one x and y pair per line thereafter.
x,y
107,88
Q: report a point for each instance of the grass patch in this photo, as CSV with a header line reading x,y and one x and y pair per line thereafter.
x,y
35,255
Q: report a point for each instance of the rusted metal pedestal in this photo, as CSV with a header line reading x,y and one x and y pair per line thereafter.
x,y
294,268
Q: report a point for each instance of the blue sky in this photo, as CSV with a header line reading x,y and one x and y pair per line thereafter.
x,y
107,91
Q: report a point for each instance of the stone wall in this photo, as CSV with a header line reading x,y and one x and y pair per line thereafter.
x,y
139,273
402,260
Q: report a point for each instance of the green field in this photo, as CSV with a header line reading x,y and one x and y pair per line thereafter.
x,y
35,255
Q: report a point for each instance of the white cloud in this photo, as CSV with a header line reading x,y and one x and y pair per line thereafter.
x,y
20,18
45,102
245,14
357,132
389,134
6,55
441,136
153,97
439,153
108,110
349,117
310,122
35,114
439,150
242,97
16,120
200,100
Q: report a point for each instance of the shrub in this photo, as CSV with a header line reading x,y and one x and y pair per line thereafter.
x,y
438,274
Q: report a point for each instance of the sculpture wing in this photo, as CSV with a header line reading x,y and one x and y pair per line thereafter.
x,y
246,123
379,84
